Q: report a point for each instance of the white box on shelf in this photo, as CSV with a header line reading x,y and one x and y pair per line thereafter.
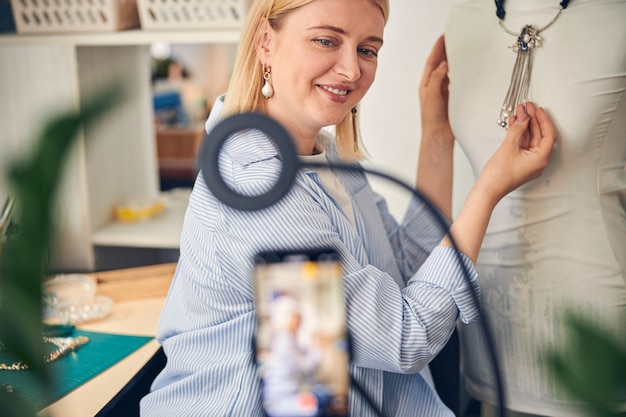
x,y
72,16
192,14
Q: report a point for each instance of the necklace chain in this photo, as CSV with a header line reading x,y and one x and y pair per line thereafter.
x,y
510,32
64,346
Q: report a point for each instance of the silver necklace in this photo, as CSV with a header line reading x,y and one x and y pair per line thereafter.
x,y
64,346
528,39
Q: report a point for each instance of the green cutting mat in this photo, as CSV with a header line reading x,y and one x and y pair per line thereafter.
x,y
103,351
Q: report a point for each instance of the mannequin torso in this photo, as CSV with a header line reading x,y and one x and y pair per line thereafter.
x,y
559,242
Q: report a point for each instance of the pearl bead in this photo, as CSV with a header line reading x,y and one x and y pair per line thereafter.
x,y
267,90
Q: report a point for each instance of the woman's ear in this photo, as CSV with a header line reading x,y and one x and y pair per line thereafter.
x,y
263,42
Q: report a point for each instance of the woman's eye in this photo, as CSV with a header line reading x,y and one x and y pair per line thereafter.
x,y
367,52
324,42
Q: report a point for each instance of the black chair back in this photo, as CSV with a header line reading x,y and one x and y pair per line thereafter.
x,y
126,401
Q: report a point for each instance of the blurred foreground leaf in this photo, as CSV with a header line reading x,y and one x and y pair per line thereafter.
x,y
591,367
33,183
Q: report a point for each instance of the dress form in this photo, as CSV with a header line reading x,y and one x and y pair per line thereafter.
x,y
559,242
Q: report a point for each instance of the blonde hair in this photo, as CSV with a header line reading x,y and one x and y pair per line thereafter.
x,y
244,90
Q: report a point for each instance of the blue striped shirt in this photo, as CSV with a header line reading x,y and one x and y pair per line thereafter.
x,y
403,297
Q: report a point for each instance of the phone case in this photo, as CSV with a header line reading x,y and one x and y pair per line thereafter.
x,y
301,340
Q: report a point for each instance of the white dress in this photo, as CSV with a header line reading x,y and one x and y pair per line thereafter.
x,y
558,242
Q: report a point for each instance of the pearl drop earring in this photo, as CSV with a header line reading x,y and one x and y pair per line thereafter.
x,y
267,89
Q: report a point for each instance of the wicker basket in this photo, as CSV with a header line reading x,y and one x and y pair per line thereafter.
x,y
192,14
63,16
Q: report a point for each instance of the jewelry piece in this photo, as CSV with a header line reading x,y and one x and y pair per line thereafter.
x,y
267,89
354,130
527,40
64,346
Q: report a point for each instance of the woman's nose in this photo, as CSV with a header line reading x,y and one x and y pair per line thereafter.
x,y
348,65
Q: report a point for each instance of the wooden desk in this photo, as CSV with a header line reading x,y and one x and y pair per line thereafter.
x,y
132,313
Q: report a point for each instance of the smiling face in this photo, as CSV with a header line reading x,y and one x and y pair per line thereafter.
x,y
323,58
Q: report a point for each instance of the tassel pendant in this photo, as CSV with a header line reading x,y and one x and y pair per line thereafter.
x,y
517,93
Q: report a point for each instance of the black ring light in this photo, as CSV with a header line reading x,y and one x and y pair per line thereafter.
x,y
209,158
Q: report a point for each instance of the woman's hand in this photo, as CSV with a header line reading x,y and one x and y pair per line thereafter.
x,y
434,167
524,153
522,156
433,93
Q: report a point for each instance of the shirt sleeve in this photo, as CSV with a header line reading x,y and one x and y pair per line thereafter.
x,y
392,329
402,330
421,230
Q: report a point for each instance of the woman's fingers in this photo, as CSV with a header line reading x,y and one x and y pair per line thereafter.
x,y
434,62
434,83
518,128
536,139
548,134
535,129
538,130
433,93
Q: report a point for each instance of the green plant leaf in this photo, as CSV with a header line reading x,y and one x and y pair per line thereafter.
x,y
23,260
591,366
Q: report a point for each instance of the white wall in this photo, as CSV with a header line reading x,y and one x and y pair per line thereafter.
x,y
390,121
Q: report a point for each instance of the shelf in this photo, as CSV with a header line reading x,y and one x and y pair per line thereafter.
x,y
125,37
161,232
50,72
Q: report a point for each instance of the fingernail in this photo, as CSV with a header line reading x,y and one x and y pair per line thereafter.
x,y
522,116
443,64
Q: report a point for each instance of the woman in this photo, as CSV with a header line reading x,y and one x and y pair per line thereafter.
x,y
307,64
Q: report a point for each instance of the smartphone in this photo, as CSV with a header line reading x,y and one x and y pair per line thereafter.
x,y
301,342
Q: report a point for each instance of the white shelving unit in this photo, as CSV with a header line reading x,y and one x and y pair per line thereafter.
x,y
42,76
126,37
160,232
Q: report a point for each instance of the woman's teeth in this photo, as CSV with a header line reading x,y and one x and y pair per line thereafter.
x,y
335,90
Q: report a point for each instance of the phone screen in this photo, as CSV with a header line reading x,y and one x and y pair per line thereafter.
x,y
301,341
